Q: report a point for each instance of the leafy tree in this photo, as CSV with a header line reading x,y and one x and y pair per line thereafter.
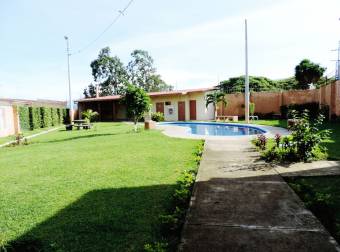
x,y
142,73
307,73
256,83
109,72
137,103
157,84
112,76
90,91
215,98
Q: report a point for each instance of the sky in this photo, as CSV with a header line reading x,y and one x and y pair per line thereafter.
x,y
194,43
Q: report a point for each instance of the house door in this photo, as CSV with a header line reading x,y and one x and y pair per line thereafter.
x,y
160,107
192,109
181,111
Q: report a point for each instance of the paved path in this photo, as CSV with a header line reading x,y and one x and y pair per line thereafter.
x,y
242,204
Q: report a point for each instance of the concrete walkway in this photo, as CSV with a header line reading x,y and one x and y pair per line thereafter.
x,y
240,203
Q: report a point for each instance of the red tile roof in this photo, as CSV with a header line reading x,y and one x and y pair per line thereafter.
x,y
151,94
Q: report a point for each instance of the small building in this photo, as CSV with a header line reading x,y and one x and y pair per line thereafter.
x,y
179,105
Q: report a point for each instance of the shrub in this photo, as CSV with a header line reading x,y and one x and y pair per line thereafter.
x,y
60,115
66,116
46,117
24,118
314,110
35,118
251,108
157,116
54,116
90,115
156,247
304,144
307,136
261,141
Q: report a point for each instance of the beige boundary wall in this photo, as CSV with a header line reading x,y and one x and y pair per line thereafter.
x,y
270,102
9,120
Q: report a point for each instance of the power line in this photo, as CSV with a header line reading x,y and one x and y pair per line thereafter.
x,y
120,14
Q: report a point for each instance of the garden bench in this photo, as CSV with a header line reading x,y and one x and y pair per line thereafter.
x,y
227,118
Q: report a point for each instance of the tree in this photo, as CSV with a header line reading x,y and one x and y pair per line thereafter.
x,y
137,102
307,73
109,72
157,84
112,76
142,73
90,91
256,83
215,98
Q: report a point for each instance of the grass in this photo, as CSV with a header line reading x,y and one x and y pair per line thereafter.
x,y
96,190
322,196
333,144
25,133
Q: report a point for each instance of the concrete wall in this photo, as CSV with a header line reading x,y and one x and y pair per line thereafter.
x,y
270,102
7,120
202,113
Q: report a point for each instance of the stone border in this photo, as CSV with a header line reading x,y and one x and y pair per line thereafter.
x,y
184,132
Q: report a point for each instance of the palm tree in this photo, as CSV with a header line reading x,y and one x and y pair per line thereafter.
x,y
89,115
215,98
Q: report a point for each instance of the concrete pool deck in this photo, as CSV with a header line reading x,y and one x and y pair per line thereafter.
x,y
241,203
184,132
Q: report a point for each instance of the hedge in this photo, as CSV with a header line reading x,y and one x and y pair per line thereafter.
x,y
66,114
313,108
55,117
35,118
24,118
46,117
60,115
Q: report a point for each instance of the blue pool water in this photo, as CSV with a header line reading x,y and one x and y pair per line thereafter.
x,y
218,129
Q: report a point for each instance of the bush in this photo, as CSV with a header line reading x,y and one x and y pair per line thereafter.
x,y
24,118
60,115
46,117
261,142
90,115
35,118
304,143
157,116
314,110
66,116
54,116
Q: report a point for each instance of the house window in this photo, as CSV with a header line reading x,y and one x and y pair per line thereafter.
x,y
167,103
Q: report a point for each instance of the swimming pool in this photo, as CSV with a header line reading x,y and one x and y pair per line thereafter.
x,y
217,129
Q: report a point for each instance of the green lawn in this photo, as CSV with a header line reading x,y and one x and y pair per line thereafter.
x,y
322,196
96,190
333,144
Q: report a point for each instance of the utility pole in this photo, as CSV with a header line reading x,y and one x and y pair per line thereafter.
x,y
246,90
337,63
69,79
337,76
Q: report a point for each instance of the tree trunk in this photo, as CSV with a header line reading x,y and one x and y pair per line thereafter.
x,y
135,123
